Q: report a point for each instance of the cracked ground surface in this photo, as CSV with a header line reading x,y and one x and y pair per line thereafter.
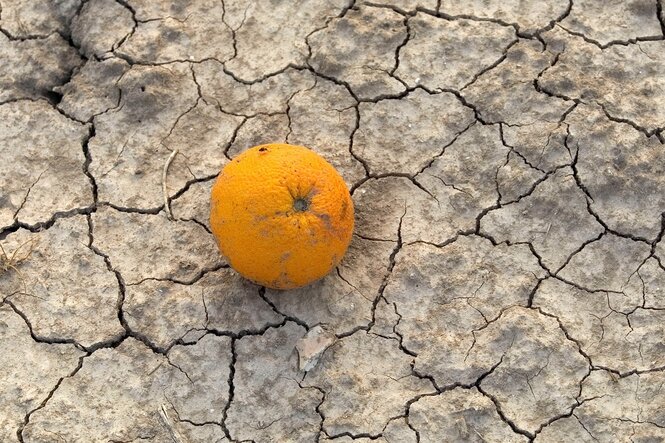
x,y
506,278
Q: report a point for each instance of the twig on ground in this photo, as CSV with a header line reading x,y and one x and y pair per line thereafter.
x,y
167,423
167,203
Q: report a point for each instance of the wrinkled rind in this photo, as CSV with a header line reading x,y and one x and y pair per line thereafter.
x,y
256,223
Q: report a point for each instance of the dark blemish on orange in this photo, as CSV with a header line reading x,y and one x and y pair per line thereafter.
x,y
345,208
327,222
263,149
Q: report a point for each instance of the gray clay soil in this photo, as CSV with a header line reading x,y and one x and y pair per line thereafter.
x,y
506,279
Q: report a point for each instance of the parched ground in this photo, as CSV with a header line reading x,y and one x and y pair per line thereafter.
x,y
506,280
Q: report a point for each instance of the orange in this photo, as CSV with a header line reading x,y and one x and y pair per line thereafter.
x,y
282,215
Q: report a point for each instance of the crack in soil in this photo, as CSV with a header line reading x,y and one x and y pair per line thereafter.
x,y
26,419
53,98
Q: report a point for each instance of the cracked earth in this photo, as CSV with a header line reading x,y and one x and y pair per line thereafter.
x,y
506,279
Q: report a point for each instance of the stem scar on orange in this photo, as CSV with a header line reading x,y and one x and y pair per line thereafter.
x,y
281,215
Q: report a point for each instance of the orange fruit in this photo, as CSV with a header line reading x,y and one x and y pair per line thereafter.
x,y
282,215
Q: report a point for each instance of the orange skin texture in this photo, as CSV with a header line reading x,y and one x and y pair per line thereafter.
x,y
282,215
